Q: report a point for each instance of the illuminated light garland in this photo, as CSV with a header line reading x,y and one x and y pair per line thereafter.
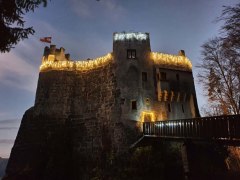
x,y
128,36
51,57
179,62
81,65
174,61
150,113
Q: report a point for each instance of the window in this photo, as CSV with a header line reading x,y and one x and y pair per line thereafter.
x,y
134,105
182,108
122,100
163,76
131,53
144,76
177,77
169,107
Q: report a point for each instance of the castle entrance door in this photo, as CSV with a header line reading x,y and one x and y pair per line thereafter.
x,y
147,117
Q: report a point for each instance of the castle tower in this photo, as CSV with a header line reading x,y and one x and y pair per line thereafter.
x,y
154,86
132,53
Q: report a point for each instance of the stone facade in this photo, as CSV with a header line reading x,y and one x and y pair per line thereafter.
x,y
94,108
161,84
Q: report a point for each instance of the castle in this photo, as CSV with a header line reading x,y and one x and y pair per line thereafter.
x,y
153,86
90,107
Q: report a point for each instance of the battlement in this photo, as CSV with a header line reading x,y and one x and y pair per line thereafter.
x,y
172,61
53,54
56,59
58,62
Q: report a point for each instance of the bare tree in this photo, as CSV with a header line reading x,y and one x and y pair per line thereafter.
x,y
219,77
220,66
211,110
231,27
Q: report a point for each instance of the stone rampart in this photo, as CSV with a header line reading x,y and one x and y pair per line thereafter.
x,y
76,114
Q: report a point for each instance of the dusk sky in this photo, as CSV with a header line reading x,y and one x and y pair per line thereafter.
x,y
85,29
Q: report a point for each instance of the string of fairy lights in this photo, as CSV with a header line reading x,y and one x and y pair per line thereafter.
x,y
50,62
181,62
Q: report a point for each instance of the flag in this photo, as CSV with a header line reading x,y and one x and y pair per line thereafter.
x,y
46,39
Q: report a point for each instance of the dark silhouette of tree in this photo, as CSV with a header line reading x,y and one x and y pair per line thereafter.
x,y
220,65
231,28
12,28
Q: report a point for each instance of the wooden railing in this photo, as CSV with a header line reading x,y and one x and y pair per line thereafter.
x,y
217,127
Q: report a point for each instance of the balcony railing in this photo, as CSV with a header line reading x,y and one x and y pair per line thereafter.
x,y
217,127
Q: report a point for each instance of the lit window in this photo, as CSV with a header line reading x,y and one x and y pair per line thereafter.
x,y
144,76
131,53
163,76
134,105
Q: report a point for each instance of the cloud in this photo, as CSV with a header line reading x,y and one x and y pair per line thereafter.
x,y
115,11
9,121
16,72
4,114
10,124
81,8
8,128
43,29
110,9
20,67
6,141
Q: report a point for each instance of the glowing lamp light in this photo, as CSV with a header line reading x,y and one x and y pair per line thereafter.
x,y
159,125
147,113
128,36
174,123
177,61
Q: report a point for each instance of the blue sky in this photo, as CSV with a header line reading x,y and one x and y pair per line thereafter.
x,y
85,28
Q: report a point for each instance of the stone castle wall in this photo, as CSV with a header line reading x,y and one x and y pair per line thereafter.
x,y
75,114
